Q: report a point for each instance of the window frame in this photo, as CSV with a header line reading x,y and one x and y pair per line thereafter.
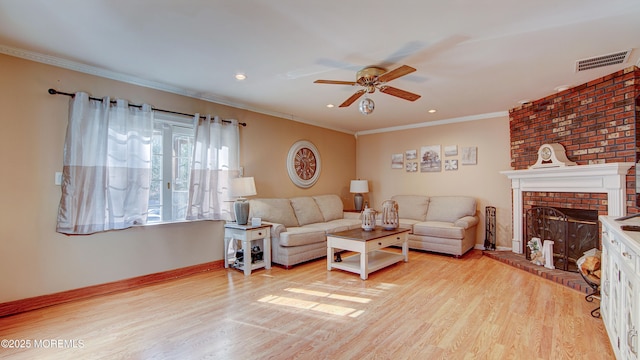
x,y
169,125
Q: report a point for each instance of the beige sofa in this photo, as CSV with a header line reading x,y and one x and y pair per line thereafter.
x,y
300,225
443,224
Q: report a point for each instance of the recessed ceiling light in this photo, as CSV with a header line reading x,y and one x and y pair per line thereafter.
x,y
432,111
240,76
561,88
330,105
525,101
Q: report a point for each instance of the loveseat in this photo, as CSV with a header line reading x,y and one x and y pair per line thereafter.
x,y
299,225
443,224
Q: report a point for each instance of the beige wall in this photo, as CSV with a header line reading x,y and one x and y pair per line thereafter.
x,y
482,181
35,260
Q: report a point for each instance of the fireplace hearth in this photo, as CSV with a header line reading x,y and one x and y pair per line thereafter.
x,y
573,232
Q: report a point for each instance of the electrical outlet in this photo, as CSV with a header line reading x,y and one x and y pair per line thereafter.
x,y
58,178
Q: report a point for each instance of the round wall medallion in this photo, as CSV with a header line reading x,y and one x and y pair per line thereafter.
x,y
303,164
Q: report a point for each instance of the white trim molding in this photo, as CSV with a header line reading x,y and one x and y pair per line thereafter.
x,y
594,178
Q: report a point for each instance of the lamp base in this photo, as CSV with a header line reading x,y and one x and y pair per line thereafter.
x,y
357,201
241,208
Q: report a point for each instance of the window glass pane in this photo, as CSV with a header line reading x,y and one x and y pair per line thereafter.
x,y
180,199
155,214
155,191
182,150
171,167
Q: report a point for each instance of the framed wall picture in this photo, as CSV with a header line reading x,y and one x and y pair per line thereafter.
x,y
430,159
470,155
450,165
397,161
411,166
451,150
411,154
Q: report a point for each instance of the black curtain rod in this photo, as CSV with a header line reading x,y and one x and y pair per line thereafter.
x,y
56,92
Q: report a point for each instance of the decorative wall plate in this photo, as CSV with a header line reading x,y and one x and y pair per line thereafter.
x,y
303,164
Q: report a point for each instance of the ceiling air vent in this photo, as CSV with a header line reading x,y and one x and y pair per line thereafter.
x,y
603,60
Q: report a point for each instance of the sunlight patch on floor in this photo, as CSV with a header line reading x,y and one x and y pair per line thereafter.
x,y
311,305
357,299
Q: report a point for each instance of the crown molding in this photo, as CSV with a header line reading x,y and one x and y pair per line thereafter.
x,y
113,75
435,123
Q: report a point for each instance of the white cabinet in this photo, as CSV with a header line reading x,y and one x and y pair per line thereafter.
x,y
620,286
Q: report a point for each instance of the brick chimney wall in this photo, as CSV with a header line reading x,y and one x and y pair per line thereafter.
x,y
596,122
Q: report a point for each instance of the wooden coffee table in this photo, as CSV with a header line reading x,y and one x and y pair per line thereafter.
x,y
368,245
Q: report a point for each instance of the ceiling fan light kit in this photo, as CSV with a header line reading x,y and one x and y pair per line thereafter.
x,y
366,106
370,79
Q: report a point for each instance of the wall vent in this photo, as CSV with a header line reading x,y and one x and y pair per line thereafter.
x,y
603,60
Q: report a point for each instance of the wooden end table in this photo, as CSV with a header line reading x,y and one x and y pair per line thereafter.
x,y
247,234
369,247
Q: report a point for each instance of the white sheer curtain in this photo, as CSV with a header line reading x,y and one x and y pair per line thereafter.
x,y
215,161
107,166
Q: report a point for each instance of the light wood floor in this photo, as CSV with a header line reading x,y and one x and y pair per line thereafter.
x,y
434,307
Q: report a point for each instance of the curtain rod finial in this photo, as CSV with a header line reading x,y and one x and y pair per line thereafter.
x,y
53,91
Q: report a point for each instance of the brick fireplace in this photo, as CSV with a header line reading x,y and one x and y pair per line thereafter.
x,y
597,124
539,187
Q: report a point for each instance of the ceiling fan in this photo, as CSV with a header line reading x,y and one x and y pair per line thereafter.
x,y
372,78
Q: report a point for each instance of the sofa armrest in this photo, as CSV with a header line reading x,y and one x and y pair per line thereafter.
x,y
276,229
467,222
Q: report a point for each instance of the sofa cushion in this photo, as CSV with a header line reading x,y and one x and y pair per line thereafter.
x,y
407,223
297,236
330,206
412,206
336,225
307,211
273,210
439,229
450,208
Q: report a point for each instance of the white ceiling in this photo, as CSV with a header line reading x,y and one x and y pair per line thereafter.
x,y
473,58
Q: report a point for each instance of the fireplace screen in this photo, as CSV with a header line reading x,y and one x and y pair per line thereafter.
x,y
572,231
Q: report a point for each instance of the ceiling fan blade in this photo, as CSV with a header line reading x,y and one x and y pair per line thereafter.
x,y
353,98
396,73
399,93
335,82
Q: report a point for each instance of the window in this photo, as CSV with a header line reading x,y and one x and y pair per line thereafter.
x,y
172,151
123,165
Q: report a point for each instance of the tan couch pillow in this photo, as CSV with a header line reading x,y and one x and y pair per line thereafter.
x,y
273,210
450,208
330,206
412,206
307,211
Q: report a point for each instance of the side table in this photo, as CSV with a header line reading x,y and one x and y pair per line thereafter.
x,y
247,234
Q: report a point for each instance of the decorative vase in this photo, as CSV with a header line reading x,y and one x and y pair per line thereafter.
x,y
390,218
241,208
368,219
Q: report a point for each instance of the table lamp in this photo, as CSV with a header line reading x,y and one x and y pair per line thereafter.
x,y
241,187
358,187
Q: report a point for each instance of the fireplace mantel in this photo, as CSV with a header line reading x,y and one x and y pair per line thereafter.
x,y
595,178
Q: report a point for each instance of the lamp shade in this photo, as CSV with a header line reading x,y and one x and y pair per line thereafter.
x,y
359,186
244,186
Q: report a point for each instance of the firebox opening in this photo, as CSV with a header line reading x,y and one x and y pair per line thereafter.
x,y
573,231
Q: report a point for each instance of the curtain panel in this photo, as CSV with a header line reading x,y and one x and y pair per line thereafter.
x,y
106,166
216,159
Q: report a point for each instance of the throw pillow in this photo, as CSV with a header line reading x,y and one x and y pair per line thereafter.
x,y
277,211
307,211
331,206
